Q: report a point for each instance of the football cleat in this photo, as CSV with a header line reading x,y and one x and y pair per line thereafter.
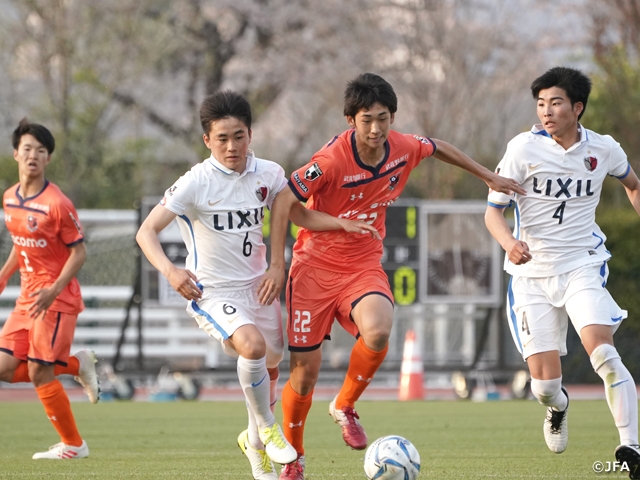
x,y
276,445
60,451
352,432
293,470
261,465
556,431
630,454
87,376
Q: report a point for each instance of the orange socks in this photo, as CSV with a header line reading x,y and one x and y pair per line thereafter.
x,y
363,365
22,371
58,409
295,409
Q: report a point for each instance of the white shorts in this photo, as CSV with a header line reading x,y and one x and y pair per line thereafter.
x,y
222,313
537,308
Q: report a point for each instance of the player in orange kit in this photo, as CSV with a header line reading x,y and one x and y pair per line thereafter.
x,y
48,248
357,175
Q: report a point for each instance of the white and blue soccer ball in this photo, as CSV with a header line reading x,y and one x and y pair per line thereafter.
x,y
392,458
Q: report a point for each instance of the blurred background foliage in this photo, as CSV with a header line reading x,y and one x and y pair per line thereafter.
x,y
119,83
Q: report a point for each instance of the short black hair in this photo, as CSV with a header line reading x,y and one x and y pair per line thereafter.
x,y
224,104
41,133
575,83
367,89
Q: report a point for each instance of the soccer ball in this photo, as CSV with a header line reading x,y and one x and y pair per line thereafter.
x,y
392,458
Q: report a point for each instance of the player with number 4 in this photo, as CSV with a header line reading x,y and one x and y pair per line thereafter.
x,y
220,205
557,255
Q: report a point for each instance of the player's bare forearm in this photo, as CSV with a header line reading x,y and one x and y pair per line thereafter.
x,y
517,251
147,238
284,203
445,152
632,187
9,268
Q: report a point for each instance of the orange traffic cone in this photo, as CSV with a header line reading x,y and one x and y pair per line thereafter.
x,y
412,370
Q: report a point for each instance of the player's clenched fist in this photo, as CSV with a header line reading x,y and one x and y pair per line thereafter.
x,y
518,252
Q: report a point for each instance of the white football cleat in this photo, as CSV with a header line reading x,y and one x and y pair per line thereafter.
x,y
556,431
276,445
262,467
60,451
87,376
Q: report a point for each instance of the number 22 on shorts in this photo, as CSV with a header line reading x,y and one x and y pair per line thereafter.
x,y
301,321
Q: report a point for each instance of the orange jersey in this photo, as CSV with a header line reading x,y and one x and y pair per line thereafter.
x,y
42,229
337,182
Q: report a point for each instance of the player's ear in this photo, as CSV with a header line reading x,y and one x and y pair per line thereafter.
x,y
392,117
249,135
205,139
15,155
351,121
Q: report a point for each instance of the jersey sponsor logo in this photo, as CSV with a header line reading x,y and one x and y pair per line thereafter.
x,y
300,183
7,217
533,167
171,190
356,197
395,162
29,242
393,181
32,223
591,163
563,187
422,139
211,204
244,219
354,178
37,206
76,223
312,172
261,193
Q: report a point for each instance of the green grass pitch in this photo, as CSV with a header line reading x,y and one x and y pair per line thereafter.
x,y
197,440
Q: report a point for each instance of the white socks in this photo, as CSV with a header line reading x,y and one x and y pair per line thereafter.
x,y
254,380
254,438
549,394
620,390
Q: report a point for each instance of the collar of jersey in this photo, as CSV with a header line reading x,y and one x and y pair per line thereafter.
x,y
22,200
538,130
251,166
374,170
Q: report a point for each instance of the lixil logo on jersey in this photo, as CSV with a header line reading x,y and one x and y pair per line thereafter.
x,y
261,193
591,163
32,223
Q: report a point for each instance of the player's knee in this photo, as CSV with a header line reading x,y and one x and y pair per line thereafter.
x,y
604,354
546,391
376,338
303,378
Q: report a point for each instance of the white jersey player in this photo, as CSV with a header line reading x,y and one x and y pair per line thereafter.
x,y
557,255
220,205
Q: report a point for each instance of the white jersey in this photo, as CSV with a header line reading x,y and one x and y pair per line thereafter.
x,y
220,214
557,216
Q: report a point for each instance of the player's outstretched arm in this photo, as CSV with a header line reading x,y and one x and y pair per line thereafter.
x,y
445,152
632,187
517,251
181,280
9,268
44,297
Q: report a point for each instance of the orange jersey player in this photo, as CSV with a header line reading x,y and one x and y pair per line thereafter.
x,y
48,249
356,176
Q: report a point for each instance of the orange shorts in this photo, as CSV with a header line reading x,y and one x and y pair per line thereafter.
x,y
45,340
316,297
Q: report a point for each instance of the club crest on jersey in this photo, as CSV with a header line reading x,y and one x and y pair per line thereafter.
x,y
591,163
312,172
261,193
32,223
393,181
